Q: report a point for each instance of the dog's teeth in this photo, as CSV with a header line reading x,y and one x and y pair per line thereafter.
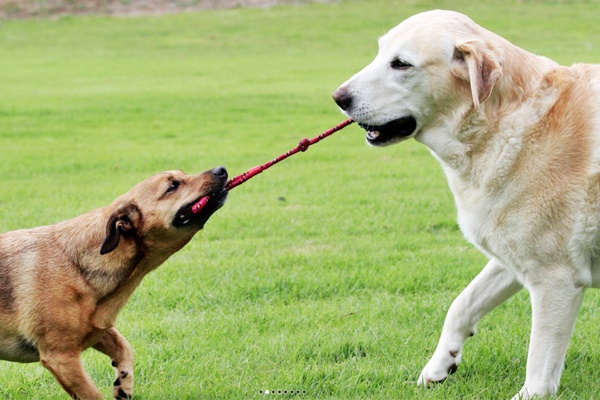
x,y
186,221
373,134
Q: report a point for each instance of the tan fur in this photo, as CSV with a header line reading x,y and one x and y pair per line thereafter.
x,y
62,286
518,137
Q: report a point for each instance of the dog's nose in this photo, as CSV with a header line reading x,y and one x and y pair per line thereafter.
x,y
342,98
219,172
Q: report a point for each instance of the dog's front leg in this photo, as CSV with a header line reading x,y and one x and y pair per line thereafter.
x,y
554,307
68,371
491,287
114,345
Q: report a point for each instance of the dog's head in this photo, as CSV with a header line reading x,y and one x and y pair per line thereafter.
x,y
429,69
158,211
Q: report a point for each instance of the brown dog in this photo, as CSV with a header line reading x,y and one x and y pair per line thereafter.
x,y
62,286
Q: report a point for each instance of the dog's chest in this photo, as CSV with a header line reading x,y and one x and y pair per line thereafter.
x,y
476,222
491,222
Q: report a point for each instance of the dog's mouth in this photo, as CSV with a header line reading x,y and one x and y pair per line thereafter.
x,y
391,132
186,218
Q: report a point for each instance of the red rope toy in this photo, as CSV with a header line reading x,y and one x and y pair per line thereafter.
x,y
302,146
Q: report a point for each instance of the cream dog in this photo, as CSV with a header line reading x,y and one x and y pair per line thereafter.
x,y
518,137
62,286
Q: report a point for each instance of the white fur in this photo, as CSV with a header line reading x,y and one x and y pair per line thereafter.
x,y
518,137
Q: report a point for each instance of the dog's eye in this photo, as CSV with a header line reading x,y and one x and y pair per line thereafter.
x,y
399,64
173,187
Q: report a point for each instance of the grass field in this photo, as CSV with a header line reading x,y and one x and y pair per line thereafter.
x,y
330,273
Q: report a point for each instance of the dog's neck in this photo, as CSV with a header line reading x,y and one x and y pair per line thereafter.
x,y
462,141
82,247
114,276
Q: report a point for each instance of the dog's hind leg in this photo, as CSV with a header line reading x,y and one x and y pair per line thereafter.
x,y
68,371
114,345
490,288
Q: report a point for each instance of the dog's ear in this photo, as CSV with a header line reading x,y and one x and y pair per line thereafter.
x,y
476,63
126,218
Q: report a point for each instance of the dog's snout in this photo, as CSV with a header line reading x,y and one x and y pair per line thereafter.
x,y
220,172
343,98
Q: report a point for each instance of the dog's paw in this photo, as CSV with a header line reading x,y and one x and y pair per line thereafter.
x,y
123,385
536,391
439,367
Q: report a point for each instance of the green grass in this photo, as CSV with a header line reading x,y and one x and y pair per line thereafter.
x,y
330,273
